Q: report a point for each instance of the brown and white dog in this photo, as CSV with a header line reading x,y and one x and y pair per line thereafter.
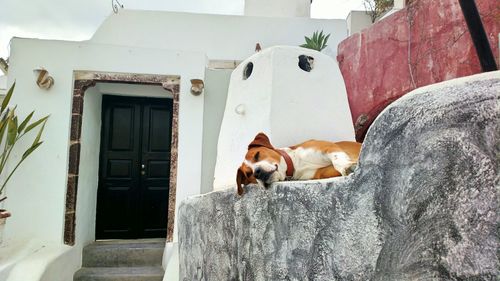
x,y
312,159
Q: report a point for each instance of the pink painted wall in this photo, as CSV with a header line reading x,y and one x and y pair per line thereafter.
x,y
378,67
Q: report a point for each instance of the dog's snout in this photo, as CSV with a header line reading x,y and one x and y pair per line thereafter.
x,y
257,172
262,174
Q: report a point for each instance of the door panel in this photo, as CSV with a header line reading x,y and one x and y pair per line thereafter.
x,y
158,133
156,175
119,168
135,168
122,128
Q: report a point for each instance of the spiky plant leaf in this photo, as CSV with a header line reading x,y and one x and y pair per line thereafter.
x,y
317,41
12,131
15,131
39,135
308,40
33,125
31,149
25,122
6,100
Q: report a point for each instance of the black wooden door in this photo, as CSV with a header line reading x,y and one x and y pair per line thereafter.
x,y
132,199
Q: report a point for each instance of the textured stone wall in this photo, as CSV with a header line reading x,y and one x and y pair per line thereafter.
x,y
425,43
422,205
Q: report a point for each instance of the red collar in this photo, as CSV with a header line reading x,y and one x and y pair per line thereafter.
x,y
289,164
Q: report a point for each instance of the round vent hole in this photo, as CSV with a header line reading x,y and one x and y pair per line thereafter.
x,y
247,71
306,63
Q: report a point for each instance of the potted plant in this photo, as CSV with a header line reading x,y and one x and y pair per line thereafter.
x,y
316,42
11,131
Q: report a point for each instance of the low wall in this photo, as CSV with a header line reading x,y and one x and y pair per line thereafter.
x,y
36,260
421,205
425,43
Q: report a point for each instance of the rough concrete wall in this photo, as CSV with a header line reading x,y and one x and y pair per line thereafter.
x,y
422,205
378,66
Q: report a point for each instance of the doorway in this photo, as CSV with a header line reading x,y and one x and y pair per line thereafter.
x,y
134,168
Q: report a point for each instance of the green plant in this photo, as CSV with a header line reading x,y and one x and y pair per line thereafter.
x,y
316,42
11,131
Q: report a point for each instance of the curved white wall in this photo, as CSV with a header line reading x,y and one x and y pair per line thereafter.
x,y
284,101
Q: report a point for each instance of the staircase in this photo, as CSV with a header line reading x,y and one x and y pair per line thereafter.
x,y
122,260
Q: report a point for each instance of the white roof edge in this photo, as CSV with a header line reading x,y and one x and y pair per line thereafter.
x,y
127,12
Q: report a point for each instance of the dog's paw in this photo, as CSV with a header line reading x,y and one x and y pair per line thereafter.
x,y
344,172
240,190
351,169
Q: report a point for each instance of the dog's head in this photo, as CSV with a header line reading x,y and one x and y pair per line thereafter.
x,y
261,164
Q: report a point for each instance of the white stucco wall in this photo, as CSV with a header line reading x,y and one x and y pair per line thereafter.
x,y
37,192
282,100
51,262
3,86
220,37
399,4
217,83
89,172
357,21
278,8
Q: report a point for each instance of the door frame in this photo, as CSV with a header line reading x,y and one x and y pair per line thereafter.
x,y
84,80
141,143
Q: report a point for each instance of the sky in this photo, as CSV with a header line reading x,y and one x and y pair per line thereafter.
x,y
78,20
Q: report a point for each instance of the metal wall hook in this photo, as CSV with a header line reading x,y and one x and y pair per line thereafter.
x,y
116,5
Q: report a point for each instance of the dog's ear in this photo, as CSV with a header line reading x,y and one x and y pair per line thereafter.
x,y
244,176
261,140
240,178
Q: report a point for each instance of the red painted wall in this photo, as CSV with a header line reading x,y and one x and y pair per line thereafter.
x,y
376,62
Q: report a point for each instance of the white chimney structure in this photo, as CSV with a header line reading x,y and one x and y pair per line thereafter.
x,y
292,94
278,8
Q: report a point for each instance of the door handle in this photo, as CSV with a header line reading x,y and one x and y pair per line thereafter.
x,y
143,169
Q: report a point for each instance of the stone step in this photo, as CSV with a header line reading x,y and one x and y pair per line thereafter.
x,y
124,253
119,274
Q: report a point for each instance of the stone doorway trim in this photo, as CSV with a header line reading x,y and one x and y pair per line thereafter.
x,y
86,79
